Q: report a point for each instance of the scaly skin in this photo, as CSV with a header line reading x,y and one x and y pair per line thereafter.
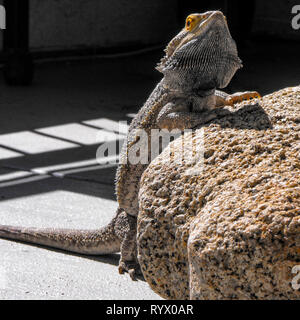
x,y
201,58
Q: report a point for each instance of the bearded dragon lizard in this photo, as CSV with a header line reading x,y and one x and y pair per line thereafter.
x,y
201,58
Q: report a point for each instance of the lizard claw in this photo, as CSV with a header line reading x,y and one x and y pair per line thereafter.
x,y
132,268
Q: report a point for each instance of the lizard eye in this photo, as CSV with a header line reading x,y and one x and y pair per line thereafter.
x,y
192,20
189,24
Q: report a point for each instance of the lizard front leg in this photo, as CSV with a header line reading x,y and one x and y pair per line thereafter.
x,y
179,115
223,99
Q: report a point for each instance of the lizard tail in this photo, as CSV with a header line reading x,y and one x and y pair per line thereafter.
x,y
91,242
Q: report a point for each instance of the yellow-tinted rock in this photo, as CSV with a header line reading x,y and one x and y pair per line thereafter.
x,y
229,229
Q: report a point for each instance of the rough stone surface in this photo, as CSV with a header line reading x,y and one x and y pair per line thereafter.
x,y
232,230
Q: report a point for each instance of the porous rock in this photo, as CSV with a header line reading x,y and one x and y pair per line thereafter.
x,y
227,225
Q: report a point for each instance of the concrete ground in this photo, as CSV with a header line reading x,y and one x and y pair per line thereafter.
x,y
49,176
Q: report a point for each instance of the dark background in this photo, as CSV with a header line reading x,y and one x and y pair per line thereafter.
x,y
53,29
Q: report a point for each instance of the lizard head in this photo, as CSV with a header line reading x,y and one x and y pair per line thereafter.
x,y
203,55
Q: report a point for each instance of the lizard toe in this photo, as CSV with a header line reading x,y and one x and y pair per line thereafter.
x,y
130,267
